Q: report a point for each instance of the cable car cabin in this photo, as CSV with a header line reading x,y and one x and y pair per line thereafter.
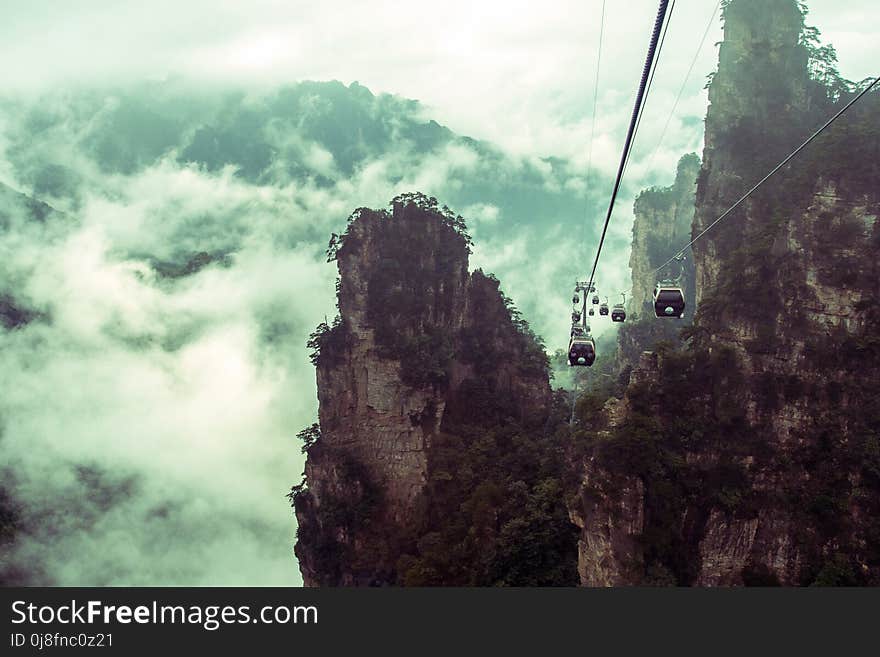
x,y
603,309
575,300
581,351
592,313
595,299
618,313
575,317
668,301
578,331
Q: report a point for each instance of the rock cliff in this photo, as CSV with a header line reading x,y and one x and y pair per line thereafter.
x,y
751,456
424,360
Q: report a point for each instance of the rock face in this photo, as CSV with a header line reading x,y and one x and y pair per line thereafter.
x,y
364,406
752,456
610,515
416,330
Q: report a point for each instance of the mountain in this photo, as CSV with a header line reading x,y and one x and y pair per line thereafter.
x,y
435,459
750,456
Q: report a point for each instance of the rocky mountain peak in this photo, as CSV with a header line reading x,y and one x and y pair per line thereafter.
x,y
420,348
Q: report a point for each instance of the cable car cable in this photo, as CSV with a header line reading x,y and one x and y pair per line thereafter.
x,y
772,173
651,80
593,120
596,94
640,98
650,84
684,84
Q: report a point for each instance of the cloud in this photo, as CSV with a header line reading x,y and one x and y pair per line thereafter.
x,y
180,398
482,214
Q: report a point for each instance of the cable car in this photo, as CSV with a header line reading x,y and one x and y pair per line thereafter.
x,y
595,299
603,309
668,301
575,300
592,312
618,313
581,350
575,317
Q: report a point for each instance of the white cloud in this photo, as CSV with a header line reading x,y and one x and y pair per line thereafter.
x,y
519,74
192,390
481,214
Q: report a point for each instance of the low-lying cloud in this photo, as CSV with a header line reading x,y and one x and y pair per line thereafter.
x,y
148,418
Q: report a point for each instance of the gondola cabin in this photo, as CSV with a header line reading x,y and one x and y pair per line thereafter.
x,y
581,351
595,299
603,310
618,313
668,301
592,312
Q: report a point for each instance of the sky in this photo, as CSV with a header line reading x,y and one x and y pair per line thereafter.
x,y
149,424
519,74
